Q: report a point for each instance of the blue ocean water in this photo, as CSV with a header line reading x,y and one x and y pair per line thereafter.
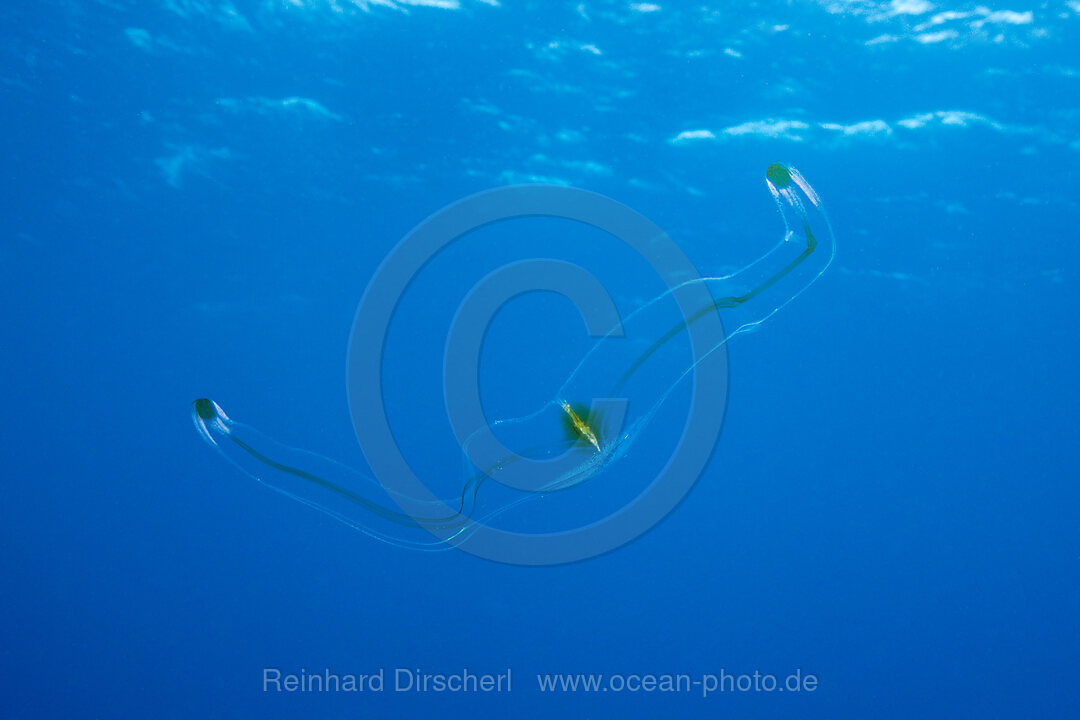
x,y
198,193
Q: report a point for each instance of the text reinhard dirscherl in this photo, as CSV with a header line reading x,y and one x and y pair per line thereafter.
x,y
467,681
401,680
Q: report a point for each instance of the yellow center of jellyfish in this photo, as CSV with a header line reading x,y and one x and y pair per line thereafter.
x,y
581,427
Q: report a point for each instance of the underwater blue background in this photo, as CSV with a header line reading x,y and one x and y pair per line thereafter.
x,y
197,192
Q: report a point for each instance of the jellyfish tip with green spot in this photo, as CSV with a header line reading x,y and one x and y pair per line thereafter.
x,y
205,408
778,175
